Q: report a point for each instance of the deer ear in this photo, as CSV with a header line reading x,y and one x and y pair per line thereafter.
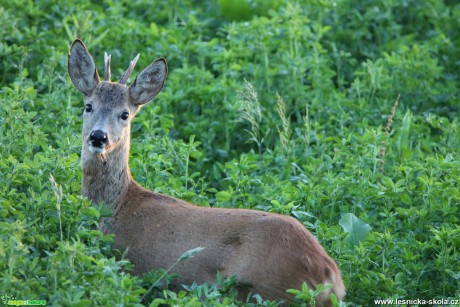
x,y
149,82
81,67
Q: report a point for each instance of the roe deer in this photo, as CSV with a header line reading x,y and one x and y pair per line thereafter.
x,y
268,253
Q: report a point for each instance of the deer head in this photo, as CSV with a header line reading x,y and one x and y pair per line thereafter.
x,y
109,106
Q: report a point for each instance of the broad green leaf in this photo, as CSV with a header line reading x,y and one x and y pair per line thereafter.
x,y
223,196
357,229
403,141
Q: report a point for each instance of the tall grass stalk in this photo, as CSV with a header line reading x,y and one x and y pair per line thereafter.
x,y
58,194
285,131
387,133
185,256
250,111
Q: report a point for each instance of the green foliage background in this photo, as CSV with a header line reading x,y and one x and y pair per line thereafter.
x,y
272,105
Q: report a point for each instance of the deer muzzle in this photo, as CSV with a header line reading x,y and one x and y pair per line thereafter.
x,y
97,141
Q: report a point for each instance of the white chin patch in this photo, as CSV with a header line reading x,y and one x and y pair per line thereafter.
x,y
97,150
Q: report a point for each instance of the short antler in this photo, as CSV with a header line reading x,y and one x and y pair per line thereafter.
x,y
107,58
130,69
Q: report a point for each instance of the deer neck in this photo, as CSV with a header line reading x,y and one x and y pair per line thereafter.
x,y
106,178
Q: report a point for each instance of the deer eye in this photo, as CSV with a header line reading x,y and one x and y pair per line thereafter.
x,y
88,108
124,115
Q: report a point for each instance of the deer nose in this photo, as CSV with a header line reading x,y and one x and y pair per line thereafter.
x,y
98,138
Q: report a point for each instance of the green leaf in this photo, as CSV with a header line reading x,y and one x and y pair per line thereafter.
x,y
126,283
223,196
403,141
91,212
357,229
388,182
405,198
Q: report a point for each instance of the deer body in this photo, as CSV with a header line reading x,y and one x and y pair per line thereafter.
x,y
269,253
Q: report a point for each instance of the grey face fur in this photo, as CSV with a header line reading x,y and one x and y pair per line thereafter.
x,y
109,107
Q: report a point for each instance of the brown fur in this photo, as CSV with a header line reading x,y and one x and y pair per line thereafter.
x,y
268,253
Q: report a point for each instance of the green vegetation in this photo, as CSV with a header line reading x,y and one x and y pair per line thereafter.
x,y
282,106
